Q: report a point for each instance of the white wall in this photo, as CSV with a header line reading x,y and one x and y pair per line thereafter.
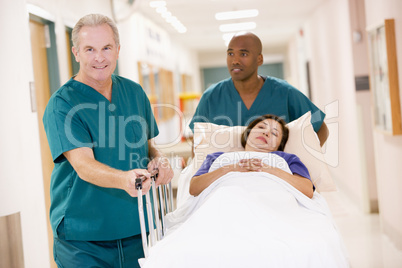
x,y
330,52
21,182
20,153
333,90
296,60
364,104
15,87
388,149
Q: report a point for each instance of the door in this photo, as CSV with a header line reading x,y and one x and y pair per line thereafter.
x,y
42,88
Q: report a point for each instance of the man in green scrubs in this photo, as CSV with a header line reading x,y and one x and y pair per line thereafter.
x,y
246,95
100,129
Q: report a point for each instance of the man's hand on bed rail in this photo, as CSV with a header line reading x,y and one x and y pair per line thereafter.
x,y
164,170
146,182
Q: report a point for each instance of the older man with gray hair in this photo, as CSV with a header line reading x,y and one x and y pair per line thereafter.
x,y
100,128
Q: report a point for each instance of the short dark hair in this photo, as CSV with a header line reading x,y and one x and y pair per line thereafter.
x,y
285,129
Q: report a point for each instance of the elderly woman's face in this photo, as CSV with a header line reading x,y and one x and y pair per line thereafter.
x,y
266,136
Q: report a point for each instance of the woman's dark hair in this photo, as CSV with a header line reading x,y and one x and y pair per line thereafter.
x,y
285,130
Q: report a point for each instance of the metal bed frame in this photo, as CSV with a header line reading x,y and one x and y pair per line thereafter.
x,y
161,204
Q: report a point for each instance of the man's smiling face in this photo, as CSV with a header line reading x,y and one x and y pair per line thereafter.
x,y
97,53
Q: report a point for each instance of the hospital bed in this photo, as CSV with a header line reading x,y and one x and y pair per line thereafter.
x,y
247,219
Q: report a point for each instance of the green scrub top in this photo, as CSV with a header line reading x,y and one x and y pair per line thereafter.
x,y
221,104
118,132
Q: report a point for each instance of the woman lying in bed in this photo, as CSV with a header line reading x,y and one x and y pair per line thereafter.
x,y
267,133
253,218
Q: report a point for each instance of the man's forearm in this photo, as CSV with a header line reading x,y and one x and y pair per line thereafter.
x,y
95,172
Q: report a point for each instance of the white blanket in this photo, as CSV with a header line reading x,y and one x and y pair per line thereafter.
x,y
250,220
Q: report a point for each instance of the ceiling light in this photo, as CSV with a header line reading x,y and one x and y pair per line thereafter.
x,y
160,7
182,29
166,15
227,37
239,14
161,10
235,27
171,19
156,4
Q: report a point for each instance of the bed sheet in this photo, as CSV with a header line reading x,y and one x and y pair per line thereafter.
x,y
183,184
250,220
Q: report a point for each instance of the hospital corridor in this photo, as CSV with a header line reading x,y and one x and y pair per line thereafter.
x,y
366,245
274,129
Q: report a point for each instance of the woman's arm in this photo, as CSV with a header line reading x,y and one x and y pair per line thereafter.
x,y
302,184
201,182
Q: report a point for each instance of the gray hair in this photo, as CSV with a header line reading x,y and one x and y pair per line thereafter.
x,y
94,20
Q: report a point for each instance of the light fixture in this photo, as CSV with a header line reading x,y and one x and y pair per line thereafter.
x,y
239,14
227,37
160,7
156,4
171,19
161,10
166,15
236,27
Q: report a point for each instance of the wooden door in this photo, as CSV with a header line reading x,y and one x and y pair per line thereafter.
x,y
42,88
11,251
69,60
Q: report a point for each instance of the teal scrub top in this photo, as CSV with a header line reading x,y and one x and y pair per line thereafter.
x,y
118,132
221,104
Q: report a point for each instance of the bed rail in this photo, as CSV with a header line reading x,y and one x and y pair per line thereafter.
x,y
157,208
138,186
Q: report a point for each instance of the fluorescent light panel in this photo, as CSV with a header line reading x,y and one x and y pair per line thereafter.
x,y
155,4
236,27
227,37
239,14
160,7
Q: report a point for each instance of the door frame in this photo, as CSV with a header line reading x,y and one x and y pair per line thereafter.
x,y
51,51
53,80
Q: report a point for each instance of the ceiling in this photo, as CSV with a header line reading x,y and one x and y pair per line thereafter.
x,y
277,22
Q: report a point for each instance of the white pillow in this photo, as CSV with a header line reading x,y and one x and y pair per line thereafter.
x,y
303,142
